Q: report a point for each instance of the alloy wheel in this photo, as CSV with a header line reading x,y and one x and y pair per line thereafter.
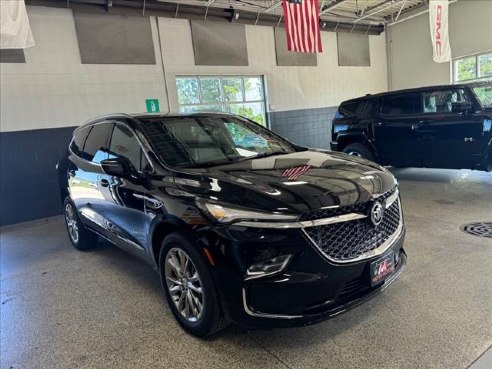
x,y
184,284
71,220
354,153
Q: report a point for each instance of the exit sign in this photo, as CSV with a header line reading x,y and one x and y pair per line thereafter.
x,y
152,105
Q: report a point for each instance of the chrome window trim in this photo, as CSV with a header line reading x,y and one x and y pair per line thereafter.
x,y
370,254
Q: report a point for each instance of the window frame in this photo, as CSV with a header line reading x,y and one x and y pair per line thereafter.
x,y
478,77
222,103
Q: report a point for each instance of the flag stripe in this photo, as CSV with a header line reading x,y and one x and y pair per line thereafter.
x,y
302,25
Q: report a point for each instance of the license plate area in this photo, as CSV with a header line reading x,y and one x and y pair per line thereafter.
x,y
382,269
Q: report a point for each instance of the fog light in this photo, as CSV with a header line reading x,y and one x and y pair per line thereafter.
x,y
268,267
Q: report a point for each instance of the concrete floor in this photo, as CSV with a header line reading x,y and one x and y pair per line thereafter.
x,y
61,308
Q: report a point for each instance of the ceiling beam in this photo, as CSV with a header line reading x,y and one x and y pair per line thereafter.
x,y
273,7
393,3
332,6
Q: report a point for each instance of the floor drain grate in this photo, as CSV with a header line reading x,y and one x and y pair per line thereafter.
x,y
478,229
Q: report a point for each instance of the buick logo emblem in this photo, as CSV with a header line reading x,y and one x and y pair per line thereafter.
x,y
377,214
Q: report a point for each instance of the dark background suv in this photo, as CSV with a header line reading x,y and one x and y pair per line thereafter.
x,y
436,127
241,225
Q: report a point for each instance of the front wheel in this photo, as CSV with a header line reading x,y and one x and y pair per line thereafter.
x,y
80,237
188,286
360,150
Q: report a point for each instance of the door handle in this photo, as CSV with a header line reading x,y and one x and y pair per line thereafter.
x,y
104,182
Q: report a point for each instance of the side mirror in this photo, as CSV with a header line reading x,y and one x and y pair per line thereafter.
x,y
119,167
461,107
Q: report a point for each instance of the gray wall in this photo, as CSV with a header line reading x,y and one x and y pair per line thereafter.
x,y
29,188
306,127
410,47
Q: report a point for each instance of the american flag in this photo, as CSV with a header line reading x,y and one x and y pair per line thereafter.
x,y
302,25
296,172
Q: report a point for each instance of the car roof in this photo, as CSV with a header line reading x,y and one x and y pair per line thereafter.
x,y
418,89
148,116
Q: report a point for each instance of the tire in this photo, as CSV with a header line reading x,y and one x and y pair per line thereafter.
x,y
181,286
360,150
80,237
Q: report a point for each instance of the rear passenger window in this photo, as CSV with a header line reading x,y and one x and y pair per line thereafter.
x,y
95,148
352,108
78,140
401,104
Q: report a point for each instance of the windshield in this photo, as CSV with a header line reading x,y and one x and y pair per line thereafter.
x,y
484,94
207,141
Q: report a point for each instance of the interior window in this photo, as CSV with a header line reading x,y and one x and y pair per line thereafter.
x,y
442,101
124,144
400,104
95,148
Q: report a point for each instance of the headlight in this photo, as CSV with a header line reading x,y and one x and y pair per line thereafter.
x,y
225,214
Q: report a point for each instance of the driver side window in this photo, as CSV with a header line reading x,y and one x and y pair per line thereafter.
x,y
124,144
442,101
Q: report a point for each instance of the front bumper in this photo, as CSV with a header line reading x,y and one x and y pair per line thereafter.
x,y
312,288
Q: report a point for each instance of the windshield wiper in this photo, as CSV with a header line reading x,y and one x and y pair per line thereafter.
x,y
264,155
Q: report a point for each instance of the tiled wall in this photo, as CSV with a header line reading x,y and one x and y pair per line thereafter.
x,y
305,127
29,188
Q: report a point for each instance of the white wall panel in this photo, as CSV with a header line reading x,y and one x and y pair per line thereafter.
x,y
54,89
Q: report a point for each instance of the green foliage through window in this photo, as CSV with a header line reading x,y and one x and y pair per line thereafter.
x,y
473,68
238,95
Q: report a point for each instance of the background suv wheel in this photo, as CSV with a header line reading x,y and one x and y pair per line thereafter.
x,y
360,150
189,287
80,237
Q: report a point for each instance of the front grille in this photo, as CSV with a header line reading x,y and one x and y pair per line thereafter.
x,y
349,240
361,208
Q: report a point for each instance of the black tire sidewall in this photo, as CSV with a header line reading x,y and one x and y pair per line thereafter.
x,y
209,321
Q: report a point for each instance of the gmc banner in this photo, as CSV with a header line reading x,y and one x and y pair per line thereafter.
x,y
439,11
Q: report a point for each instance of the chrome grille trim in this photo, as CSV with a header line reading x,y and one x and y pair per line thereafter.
x,y
304,224
381,249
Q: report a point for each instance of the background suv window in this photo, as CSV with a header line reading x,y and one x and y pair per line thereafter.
x,y
401,104
352,108
442,101
95,148
124,144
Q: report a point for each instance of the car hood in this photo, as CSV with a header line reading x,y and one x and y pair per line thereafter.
x,y
296,182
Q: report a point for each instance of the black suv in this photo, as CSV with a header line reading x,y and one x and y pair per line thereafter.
x,y
435,127
241,225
